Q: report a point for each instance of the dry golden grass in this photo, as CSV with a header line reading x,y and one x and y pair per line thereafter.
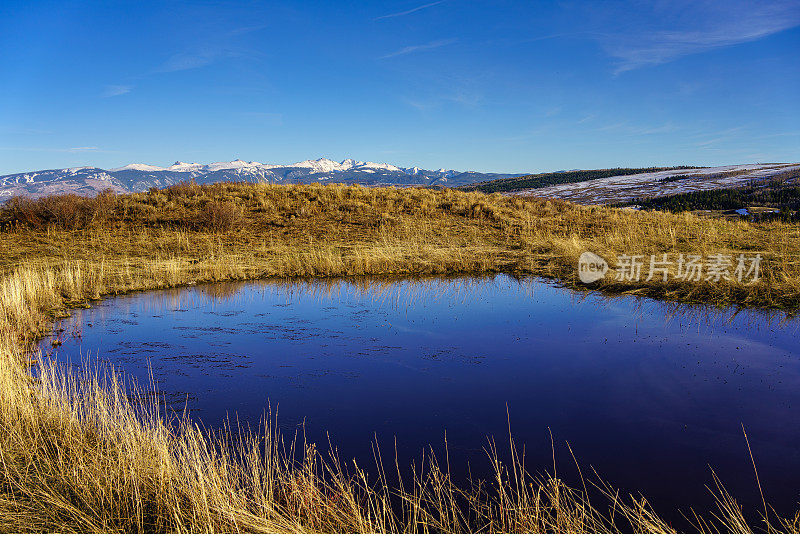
x,y
77,456
241,230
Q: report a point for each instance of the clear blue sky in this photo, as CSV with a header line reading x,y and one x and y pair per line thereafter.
x,y
485,85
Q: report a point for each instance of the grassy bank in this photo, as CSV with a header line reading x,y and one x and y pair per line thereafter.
x,y
189,233
77,456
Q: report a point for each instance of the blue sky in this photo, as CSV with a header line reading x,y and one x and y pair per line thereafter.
x,y
484,85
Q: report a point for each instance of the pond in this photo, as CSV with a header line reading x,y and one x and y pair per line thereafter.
x,y
651,396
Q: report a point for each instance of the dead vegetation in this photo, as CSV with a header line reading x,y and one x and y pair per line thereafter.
x,y
77,456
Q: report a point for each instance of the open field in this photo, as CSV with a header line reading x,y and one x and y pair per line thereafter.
x,y
77,456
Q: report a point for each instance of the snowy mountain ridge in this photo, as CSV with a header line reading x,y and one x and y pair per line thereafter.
x,y
136,177
318,165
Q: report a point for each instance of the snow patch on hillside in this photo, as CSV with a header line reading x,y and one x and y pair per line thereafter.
x,y
616,189
138,167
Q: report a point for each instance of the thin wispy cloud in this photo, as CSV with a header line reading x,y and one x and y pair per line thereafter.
x,y
553,111
466,98
83,148
781,134
201,58
188,60
709,140
409,11
420,48
247,29
655,130
710,26
219,47
115,90
420,105
628,129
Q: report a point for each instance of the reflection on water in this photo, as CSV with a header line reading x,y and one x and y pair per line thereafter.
x,y
650,395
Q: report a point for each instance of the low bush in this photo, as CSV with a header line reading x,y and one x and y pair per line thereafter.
x,y
222,216
69,212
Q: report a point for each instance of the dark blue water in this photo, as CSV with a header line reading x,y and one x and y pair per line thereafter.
x,y
651,396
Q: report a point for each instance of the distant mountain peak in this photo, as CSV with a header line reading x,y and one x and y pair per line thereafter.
x,y
138,167
141,176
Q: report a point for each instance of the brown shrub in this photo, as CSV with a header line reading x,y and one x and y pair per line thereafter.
x,y
65,211
105,204
183,189
69,212
22,211
222,216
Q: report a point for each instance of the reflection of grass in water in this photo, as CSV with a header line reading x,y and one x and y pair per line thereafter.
x,y
400,292
693,313
405,292
76,456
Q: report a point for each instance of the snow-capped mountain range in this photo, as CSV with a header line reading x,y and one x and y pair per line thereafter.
x,y
141,177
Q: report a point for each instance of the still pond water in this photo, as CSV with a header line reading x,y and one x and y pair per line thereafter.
x,y
651,396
